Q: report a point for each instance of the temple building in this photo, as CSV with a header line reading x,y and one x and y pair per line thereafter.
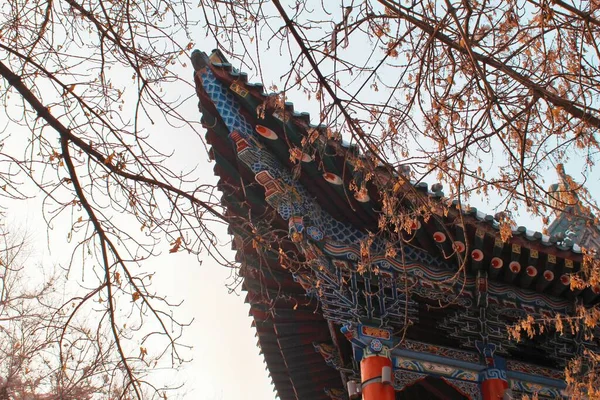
x,y
342,313
573,225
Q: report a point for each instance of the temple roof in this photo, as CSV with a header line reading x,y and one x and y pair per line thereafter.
x,y
575,225
303,119
290,322
338,157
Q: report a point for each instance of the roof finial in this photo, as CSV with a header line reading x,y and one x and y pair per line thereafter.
x,y
563,195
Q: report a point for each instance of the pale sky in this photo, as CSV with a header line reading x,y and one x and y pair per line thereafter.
x,y
226,364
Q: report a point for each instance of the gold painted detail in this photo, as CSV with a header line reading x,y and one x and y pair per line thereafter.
x,y
375,332
237,88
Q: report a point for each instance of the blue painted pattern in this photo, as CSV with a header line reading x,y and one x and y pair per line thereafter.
x,y
295,199
492,373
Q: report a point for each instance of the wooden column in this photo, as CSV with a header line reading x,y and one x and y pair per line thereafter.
x,y
493,380
371,367
493,386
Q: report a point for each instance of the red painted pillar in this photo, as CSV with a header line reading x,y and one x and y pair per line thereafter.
x,y
370,375
493,384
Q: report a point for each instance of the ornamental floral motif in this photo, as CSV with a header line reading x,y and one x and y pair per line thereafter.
x,y
328,353
376,345
314,233
441,351
403,379
470,389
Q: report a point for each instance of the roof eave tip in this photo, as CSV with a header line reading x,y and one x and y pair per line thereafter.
x,y
199,60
